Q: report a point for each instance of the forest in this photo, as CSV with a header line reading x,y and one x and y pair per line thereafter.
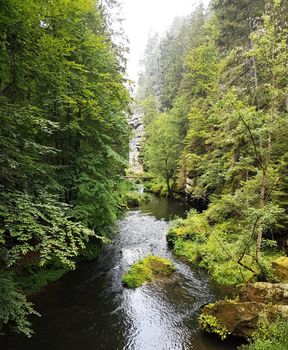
x,y
63,143
215,102
213,96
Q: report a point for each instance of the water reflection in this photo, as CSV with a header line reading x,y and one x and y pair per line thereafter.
x,y
165,208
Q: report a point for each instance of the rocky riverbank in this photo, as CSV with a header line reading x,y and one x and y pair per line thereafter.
x,y
241,316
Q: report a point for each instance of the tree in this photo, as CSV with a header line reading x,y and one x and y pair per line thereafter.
x,y
162,148
237,19
271,55
64,136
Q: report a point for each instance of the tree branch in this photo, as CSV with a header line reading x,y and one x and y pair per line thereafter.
x,y
257,156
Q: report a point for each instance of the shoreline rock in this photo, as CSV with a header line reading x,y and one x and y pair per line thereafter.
x,y
240,317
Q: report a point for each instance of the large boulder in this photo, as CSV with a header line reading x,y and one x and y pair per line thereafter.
x,y
261,292
240,317
280,267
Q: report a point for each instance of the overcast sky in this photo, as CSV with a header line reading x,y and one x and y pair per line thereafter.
x,y
140,16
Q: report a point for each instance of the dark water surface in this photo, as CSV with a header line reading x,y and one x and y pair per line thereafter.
x,y
88,309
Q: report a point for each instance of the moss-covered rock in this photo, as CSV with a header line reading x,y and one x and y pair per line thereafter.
x,y
263,292
147,270
133,199
280,267
235,318
157,187
240,317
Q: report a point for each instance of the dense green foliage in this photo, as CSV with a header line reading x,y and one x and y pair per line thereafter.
x,y
222,88
162,156
146,270
130,194
14,308
63,141
218,245
210,324
269,336
227,128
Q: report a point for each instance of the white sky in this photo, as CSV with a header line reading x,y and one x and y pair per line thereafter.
x,y
140,16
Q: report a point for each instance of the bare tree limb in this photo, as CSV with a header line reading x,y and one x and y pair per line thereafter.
x,y
257,156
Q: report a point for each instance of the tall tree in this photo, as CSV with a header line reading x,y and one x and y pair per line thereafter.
x,y
64,138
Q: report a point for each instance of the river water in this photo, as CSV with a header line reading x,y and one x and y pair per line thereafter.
x,y
89,309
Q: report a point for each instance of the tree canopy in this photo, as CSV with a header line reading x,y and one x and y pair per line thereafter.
x,y
227,117
63,138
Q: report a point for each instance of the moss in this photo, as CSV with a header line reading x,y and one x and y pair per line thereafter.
x,y
283,261
210,324
146,270
280,267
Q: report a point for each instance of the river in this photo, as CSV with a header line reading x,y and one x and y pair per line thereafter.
x,y
89,309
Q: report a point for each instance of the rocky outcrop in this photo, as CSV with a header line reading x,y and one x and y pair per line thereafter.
x,y
147,270
188,184
135,121
262,292
136,124
240,317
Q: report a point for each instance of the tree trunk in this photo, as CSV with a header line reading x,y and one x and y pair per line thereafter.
x,y
265,174
255,76
169,192
262,203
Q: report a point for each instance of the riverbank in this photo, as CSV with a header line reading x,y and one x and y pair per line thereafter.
x,y
213,242
85,306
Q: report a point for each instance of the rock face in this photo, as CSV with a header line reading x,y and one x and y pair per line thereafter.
x,y
188,185
240,317
136,124
260,292
280,267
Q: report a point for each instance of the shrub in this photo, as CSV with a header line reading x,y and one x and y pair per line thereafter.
x,y
223,246
270,336
14,308
210,324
